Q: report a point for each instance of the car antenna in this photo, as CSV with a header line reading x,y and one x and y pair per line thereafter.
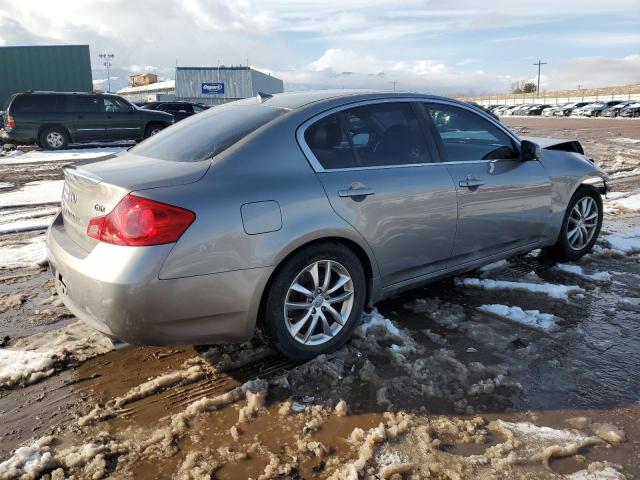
x,y
262,97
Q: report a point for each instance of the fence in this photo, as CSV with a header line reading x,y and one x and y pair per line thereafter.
x,y
549,99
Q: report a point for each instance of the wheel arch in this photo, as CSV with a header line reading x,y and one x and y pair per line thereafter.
x,y
368,263
47,125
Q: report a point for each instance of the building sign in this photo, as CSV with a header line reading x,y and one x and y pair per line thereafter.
x,y
213,88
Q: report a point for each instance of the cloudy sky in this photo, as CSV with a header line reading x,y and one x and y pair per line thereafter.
x,y
473,47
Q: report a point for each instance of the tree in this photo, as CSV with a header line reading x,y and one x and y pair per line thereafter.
x,y
529,87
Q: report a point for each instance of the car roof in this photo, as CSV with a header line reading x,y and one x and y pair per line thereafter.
x,y
296,100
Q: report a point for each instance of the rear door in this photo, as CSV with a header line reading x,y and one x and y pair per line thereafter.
x,y
503,202
180,111
88,117
376,166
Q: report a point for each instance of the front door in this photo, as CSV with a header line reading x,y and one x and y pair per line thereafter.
x,y
503,202
121,122
376,168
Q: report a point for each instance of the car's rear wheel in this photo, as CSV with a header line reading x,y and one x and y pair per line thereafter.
x,y
315,301
152,129
53,138
581,225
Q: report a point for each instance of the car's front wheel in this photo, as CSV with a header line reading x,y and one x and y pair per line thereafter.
x,y
315,301
581,225
53,138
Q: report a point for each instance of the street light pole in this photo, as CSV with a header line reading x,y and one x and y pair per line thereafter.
x,y
394,82
539,64
106,61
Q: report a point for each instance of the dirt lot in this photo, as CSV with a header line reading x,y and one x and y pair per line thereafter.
x,y
527,369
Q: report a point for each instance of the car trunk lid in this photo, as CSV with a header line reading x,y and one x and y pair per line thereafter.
x,y
93,188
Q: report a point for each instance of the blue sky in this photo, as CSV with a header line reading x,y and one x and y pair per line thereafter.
x,y
439,46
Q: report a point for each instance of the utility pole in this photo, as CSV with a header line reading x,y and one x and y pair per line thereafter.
x,y
394,82
539,64
106,61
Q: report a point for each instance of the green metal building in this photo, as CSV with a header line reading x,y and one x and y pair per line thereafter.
x,y
61,68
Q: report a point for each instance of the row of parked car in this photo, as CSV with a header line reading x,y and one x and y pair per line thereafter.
x,y
54,119
611,108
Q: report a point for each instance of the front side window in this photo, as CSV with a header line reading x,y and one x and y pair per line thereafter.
x,y
115,105
467,136
381,134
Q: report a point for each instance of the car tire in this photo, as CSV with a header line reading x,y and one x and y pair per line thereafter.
x,y
570,245
295,285
53,138
152,129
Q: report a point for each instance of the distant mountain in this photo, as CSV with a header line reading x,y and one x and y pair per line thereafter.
x,y
119,78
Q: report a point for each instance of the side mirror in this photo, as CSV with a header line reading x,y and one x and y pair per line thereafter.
x,y
529,151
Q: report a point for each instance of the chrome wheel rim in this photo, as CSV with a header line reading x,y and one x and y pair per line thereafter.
x,y
318,302
583,223
54,139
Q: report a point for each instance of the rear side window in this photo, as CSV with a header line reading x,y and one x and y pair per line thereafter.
x,y
38,104
86,104
468,136
201,137
381,134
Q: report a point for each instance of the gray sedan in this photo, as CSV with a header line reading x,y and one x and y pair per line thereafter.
x,y
292,213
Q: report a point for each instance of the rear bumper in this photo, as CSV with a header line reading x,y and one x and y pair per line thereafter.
x,y
17,136
116,290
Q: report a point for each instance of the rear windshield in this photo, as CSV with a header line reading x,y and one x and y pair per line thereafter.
x,y
38,104
205,135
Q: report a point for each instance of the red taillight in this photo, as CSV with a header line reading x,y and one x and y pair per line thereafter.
x,y
11,123
138,221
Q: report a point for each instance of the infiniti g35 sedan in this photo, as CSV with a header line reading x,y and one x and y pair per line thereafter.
x,y
292,213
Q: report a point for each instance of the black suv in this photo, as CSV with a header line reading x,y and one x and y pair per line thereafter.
x,y
53,120
179,110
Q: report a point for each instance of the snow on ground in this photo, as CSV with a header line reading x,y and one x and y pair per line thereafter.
x,y
531,318
59,155
577,270
494,265
34,193
6,185
21,219
20,255
622,201
26,462
33,358
624,242
24,367
560,292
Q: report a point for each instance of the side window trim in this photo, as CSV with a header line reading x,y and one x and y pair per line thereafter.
x,y
315,163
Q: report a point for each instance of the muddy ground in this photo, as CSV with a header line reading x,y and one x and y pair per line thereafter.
x,y
431,386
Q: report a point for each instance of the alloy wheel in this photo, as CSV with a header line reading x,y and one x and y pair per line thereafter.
x,y
319,302
55,139
583,223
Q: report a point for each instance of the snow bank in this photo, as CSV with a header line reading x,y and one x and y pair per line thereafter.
x,y
6,185
618,201
577,270
494,265
37,156
560,292
29,254
531,318
34,193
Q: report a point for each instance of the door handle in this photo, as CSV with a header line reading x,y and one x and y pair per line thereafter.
x,y
356,192
471,183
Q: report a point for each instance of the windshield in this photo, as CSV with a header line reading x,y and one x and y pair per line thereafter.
x,y
205,135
